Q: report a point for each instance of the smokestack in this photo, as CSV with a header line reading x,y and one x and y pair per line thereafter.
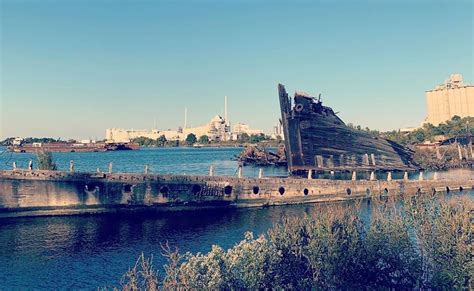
x,y
185,117
225,110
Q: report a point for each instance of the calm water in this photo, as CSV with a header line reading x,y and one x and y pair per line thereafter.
x,y
90,251
160,160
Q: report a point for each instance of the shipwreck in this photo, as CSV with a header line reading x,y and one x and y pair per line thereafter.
x,y
316,139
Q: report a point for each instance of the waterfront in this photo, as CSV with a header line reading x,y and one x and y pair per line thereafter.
x,y
90,251
93,251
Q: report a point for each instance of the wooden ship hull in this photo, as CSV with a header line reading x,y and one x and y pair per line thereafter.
x,y
317,139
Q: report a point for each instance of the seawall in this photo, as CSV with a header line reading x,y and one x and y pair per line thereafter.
x,y
34,193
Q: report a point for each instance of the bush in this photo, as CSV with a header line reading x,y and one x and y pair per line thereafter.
x,y
424,243
45,161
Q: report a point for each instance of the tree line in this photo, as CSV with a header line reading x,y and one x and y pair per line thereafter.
x,y
192,139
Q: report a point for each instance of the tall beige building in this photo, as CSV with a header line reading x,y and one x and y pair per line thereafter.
x,y
450,99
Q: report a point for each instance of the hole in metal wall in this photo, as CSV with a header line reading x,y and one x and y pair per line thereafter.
x,y
164,191
305,191
256,189
127,188
196,189
281,190
228,190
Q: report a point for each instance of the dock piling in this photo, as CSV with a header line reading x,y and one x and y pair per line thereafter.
x,y
239,172
211,171
354,175
14,166
110,167
260,173
405,176
372,176
146,169
30,165
435,176
310,174
389,176
71,166
420,178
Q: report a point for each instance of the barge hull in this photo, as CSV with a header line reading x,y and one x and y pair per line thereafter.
x,y
34,193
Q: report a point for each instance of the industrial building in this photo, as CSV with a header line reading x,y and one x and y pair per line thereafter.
x,y
217,129
450,99
241,128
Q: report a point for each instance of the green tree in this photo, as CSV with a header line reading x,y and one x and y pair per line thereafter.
x,y
243,137
45,161
161,141
191,139
254,138
203,139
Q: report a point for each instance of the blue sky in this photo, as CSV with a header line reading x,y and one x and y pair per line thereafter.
x,y
71,69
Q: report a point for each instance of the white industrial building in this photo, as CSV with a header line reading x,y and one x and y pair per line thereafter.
x,y
450,99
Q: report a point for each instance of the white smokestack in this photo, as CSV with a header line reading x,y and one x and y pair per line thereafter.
x,y
185,118
225,110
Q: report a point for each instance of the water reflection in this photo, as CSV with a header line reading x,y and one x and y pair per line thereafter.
x,y
91,251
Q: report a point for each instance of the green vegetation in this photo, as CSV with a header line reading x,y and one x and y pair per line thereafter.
x,y
191,139
161,141
9,141
455,127
424,243
254,138
45,161
203,139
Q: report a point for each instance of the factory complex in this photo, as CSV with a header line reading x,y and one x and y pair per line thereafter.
x,y
217,129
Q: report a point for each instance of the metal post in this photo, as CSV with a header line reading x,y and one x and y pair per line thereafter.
x,y
110,167
30,165
14,166
459,152
71,166
146,169
239,172
310,174
405,176
389,176
438,154
354,176
372,176
260,173
211,170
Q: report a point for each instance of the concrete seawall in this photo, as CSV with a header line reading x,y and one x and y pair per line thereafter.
x,y
32,193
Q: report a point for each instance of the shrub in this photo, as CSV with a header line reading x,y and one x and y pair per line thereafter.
x,y
416,243
45,161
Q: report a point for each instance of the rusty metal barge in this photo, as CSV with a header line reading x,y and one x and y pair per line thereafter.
x,y
36,193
